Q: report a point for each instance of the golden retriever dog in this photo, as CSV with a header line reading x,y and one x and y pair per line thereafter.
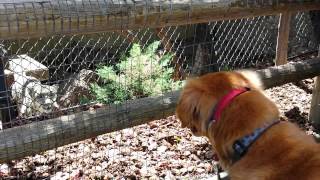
x,y
243,126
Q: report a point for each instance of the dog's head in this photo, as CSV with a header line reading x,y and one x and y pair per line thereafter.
x,y
200,96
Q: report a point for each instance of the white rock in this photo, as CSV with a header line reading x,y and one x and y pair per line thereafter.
x,y
170,153
186,153
100,138
152,146
191,168
81,147
137,154
45,174
40,159
175,171
183,171
317,136
98,168
77,155
125,151
144,171
153,177
95,155
60,176
113,153
51,152
198,153
118,137
198,140
147,170
4,169
200,170
74,173
109,176
194,157
162,149
144,144
130,133
104,165
42,168
208,167
169,176
86,149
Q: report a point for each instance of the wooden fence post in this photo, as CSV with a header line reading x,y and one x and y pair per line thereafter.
x,y
314,115
283,38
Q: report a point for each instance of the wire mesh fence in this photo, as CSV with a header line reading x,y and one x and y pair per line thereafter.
x,y
68,63
62,69
302,39
59,75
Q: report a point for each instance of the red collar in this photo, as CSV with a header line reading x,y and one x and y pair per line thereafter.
x,y
225,101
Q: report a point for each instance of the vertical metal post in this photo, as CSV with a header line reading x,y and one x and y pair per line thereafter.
x,y
314,115
5,105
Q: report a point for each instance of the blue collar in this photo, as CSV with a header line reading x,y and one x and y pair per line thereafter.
x,y
241,146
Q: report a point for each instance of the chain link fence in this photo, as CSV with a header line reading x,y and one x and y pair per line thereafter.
x,y
59,75
57,61
302,39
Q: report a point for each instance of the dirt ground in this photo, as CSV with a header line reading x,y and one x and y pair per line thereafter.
x,y
157,150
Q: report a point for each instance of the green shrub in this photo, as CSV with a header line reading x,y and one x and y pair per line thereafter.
x,y
143,72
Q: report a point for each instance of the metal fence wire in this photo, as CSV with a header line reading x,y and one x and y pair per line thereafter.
x,y
65,66
59,75
58,61
302,37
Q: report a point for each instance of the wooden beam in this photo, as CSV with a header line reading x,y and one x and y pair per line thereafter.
x,y
36,137
27,19
290,72
283,38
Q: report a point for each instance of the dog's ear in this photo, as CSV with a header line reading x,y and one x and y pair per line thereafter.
x,y
253,79
187,108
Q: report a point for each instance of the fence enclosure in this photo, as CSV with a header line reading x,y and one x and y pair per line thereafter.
x,y
71,70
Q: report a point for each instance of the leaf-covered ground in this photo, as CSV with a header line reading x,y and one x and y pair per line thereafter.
x,y
157,150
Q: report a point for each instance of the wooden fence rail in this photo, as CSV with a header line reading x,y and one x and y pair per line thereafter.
x,y
27,19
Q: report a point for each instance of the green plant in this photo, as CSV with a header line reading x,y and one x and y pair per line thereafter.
x,y
225,68
141,73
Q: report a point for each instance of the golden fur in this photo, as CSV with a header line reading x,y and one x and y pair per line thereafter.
x,y
282,152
